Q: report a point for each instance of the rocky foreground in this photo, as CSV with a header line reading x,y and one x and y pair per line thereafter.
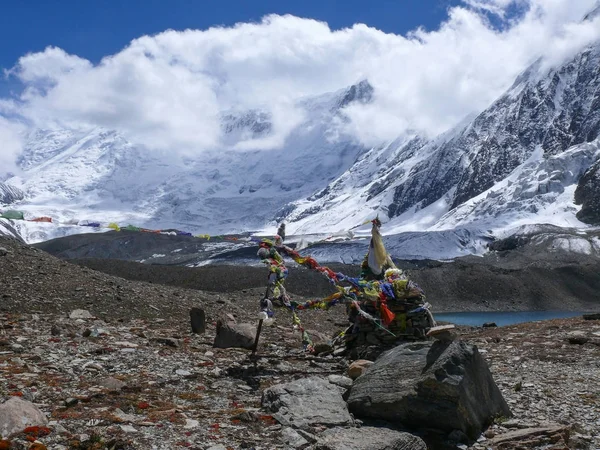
x,y
130,374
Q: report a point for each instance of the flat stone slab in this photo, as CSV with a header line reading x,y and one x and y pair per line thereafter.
x,y
81,314
307,402
536,436
368,438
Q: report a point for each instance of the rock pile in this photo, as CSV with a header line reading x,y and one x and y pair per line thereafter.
x,y
368,339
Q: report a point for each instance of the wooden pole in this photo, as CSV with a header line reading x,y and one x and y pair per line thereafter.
x,y
260,322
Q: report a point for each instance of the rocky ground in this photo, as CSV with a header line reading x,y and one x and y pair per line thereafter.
x,y
524,275
132,375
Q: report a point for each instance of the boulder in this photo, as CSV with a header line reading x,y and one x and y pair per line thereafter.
x,y
307,402
358,367
230,334
17,414
368,438
441,385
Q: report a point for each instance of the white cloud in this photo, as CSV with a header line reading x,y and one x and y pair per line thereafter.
x,y
11,145
168,91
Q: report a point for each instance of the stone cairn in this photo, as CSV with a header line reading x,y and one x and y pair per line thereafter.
x,y
412,321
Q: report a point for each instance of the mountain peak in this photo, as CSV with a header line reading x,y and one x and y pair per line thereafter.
x,y
593,13
362,92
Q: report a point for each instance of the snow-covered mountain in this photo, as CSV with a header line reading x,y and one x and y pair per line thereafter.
x,y
519,161
98,175
532,156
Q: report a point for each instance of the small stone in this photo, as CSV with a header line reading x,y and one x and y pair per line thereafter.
x,y
82,314
340,380
443,332
126,344
128,429
292,438
322,347
244,416
358,367
489,434
191,423
71,402
489,325
86,333
112,384
340,351
171,342
92,366
17,348
577,337
55,330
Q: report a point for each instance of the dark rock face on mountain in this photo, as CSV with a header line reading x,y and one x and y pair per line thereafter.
x,y
361,92
10,194
587,194
554,112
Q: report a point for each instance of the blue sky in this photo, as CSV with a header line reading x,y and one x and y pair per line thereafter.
x,y
93,28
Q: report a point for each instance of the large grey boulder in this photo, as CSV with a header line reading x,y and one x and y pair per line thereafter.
x,y
17,414
307,402
231,334
368,438
439,385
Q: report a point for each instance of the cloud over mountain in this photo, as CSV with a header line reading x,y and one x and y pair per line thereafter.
x,y
170,91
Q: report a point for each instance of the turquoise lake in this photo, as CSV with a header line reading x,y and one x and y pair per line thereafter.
x,y
477,319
